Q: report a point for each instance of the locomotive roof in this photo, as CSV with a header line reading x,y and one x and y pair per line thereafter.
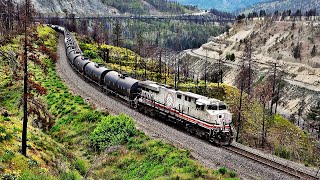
x,y
193,95
155,86
150,85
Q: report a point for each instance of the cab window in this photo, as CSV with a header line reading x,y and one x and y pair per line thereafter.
x,y
212,107
222,106
199,107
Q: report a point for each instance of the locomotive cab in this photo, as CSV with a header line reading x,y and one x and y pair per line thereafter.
x,y
218,113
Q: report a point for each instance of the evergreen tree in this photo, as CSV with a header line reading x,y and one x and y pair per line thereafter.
x,y
297,51
314,51
117,34
314,114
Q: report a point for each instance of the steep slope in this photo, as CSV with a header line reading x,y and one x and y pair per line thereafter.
x,y
79,7
105,7
222,5
285,5
274,42
69,150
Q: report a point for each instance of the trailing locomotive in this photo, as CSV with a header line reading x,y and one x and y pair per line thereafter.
x,y
201,115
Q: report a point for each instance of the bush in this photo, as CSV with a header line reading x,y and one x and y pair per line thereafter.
x,y
222,170
29,175
7,176
233,174
4,134
81,166
282,152
90,54
73,175
90,116
112,130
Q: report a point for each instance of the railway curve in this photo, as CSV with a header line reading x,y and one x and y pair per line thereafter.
x,y
202,151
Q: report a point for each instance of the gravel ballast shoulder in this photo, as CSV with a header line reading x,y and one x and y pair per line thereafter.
x,y
202,151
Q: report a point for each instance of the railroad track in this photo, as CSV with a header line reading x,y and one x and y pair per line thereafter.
x,y
296,173
203,150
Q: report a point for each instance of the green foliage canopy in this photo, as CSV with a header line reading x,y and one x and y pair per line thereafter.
x,y
112,130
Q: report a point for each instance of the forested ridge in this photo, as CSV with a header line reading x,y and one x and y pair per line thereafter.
x,y
141,7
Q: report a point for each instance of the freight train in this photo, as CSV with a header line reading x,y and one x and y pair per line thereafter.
x,y
206,117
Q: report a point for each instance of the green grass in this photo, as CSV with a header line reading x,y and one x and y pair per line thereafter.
x,y
251,113
144,158
67,150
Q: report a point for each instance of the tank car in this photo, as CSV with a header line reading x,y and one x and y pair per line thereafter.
x,y
72,55
122,84
96,72
80,62
69,49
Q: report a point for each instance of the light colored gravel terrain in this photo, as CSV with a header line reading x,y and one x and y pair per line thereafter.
x,y
79,7
202,151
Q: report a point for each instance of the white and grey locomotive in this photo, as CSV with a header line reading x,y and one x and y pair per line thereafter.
x,y
204,116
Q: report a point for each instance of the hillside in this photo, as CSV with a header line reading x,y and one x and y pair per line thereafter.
x,y
282,5
253,117
83,142
106,7
222,5
273,41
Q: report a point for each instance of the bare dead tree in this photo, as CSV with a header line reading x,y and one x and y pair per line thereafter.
x,y
275,83
25,80
241,85
263,94
280,85
247,56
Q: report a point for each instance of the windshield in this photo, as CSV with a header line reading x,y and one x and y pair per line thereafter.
x,y
222,106
212,107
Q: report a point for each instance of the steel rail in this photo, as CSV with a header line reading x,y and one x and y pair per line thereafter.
x,y
299,174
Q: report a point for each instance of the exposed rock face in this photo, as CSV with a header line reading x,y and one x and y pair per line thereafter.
x,y
272,42
222,5
78,7
273,5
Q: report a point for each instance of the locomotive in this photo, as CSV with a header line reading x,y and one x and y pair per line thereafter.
x,y
206,117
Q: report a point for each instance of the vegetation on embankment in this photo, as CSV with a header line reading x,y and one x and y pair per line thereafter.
x,y
283,138
146,7
144,36
83,141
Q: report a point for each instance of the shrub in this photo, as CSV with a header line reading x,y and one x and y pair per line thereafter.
x,y
90,116
4,134
73,175
222,170
233,174
282,152
8,176
112,130
90,54
81,166
32,162
29,175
